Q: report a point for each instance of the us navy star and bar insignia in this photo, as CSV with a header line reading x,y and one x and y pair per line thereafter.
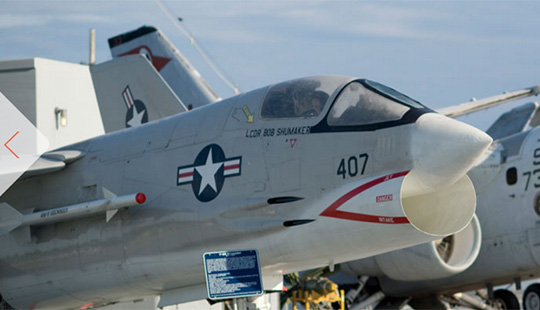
x,y
208,172
137,113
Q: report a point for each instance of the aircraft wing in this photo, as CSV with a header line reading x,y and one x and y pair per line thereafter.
x,y
52,162
478,105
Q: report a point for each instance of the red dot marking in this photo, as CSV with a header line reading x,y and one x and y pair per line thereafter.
x,y
140,198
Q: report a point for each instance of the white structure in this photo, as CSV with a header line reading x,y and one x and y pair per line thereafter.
x,y
57,97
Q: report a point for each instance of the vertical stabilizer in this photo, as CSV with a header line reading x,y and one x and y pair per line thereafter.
x,y
184,80
130,92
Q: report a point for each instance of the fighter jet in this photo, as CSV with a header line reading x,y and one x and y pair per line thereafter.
x,y
310,172
500,247
459,251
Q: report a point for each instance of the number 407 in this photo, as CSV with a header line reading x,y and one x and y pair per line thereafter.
x,y
351,165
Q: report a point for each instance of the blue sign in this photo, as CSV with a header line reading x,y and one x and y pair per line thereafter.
x,y
232,274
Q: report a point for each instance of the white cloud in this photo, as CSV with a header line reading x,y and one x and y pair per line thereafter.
x,y
85,18
316,17
379,20
34,20
21,20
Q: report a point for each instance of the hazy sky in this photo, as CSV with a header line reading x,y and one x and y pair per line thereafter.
x,y
438,52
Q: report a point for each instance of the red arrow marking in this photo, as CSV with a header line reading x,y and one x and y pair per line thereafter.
x,y
5,144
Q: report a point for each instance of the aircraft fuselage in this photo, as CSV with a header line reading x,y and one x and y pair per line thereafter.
x,y
217,179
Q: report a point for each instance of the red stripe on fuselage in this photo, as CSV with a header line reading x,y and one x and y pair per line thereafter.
x,y
187,174
232,167
332,211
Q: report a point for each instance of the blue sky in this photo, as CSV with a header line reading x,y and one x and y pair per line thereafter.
x,y
438,52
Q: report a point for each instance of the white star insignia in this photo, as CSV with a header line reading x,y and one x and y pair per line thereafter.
x,y
208,173
136,118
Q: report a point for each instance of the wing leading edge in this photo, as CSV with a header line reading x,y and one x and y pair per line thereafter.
x,y
482,104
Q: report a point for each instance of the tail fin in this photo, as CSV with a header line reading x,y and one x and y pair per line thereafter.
x,y
184,80
9,218
131,92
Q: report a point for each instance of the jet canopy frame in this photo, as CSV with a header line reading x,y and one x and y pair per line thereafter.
x,y
300,98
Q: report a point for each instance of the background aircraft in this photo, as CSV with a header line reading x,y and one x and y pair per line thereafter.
x,y
130,92
184,80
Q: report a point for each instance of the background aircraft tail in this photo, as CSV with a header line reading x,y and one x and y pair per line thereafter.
x,y
130,92
183,79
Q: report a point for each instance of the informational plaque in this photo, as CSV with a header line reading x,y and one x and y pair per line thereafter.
x,y
233,274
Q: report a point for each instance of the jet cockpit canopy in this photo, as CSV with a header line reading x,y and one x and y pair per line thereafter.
x,y
300,98
365,102
353,102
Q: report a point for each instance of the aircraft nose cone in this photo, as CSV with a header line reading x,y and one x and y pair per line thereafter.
x,y
443,150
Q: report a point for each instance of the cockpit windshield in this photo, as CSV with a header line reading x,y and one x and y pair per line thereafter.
x,y
394,94
360,104
302,98
357,102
